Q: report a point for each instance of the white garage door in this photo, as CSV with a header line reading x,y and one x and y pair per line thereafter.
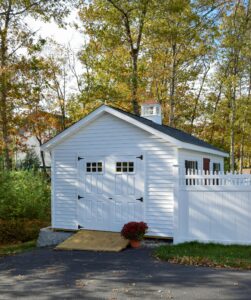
x,y
110,191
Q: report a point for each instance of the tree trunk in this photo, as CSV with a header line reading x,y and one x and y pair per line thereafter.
x,y
62,107
4,92
134,48
197,99
134,83
241,152
5,134
232,129
172,87
42,156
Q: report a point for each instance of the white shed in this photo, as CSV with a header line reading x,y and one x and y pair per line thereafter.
x,y
112,167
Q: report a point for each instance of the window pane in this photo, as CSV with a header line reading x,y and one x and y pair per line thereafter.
x,y
216,167
125,166
149,110
94,166
191,165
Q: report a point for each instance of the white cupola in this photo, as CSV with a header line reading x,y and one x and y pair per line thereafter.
x,y
151,110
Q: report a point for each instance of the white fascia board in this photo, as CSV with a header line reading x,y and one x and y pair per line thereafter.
x,y
102,109
204,149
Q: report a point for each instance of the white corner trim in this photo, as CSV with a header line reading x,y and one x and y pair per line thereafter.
x,y
102,109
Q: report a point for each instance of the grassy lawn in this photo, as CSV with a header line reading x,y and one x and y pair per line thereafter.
x,y
17,248
210,255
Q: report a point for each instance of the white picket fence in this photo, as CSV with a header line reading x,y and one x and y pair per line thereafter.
x,y
213,208
205,178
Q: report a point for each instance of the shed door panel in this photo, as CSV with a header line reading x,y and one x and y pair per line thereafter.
x,y
110,187
93,209
127,175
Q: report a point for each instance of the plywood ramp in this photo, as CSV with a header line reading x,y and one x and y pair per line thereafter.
x,y
95,241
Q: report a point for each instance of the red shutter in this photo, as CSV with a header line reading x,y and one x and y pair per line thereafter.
x,y
206,164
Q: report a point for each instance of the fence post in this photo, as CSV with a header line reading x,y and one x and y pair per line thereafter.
x,y
178,177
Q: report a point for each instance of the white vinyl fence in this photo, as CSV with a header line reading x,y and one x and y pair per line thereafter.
x,y
213,208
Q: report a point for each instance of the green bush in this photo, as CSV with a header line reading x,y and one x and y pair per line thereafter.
x,y
31,161
24,194
20,230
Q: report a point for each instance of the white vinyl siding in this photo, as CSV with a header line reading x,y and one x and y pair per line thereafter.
x,y
105,136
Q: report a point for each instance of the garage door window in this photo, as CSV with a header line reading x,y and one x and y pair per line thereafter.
x,y
125,167
94,167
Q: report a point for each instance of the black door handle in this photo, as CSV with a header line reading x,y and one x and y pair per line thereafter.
x,y
79,197
140,199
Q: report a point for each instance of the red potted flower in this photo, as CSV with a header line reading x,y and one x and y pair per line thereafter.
x,y
134,232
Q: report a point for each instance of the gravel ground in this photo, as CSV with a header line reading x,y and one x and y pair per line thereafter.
x,y
131,274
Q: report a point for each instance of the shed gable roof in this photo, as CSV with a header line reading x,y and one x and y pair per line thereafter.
x,y
177,137
171,131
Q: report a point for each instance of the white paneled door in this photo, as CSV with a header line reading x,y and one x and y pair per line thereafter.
x,y
110,191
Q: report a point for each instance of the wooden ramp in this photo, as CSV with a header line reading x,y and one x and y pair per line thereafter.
x,y
95,241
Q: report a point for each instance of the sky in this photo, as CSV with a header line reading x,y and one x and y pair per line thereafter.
x,y
68,37
62,36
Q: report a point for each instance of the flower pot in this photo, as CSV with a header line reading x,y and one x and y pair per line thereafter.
x,y
135,243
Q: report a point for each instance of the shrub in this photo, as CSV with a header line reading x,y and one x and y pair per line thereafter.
x,y
21,230
134,230
30,162
24,194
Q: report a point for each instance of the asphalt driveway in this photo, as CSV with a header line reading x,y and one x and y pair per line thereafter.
x,y
131,274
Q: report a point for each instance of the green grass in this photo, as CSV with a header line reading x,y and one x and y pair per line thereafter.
x,y
17,248
210,255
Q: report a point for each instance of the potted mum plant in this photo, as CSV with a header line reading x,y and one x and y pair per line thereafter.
x,y
134,232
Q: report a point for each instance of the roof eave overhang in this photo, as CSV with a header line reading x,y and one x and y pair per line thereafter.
x,y
204,149
102,109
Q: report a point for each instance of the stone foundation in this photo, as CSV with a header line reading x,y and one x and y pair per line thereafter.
x,y
49,237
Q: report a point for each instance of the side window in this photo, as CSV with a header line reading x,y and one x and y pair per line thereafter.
x,y
191,166
124,166
94,167
216,168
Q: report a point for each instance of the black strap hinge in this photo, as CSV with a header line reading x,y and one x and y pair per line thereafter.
x,y
79,227
140,199
140,157
79,197
79,158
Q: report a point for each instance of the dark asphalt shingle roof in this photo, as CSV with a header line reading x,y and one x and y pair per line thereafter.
x,y
173,132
